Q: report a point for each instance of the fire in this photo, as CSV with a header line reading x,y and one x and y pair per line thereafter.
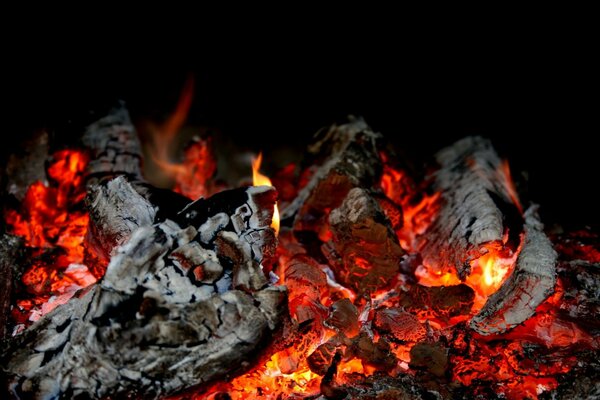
x,y
53,223
259,179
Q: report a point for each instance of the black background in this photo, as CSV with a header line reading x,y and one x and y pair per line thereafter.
x,y
538,109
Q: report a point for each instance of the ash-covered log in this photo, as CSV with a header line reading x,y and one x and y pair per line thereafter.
x,y
530,283
177,308
476,203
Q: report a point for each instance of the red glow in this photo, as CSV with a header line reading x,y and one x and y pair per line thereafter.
x,y
53,223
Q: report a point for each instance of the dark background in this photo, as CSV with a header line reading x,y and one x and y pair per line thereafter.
x,y
538,112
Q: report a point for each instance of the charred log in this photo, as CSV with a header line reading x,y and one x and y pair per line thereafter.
x,y
346,157
530,283
165,317
114,147
365,252
476,200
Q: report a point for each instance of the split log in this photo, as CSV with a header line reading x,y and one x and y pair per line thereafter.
x,y
365,252
347,156
114,146
530,283
476,200
176,308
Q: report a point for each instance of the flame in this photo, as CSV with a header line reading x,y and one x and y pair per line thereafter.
x,y
162,138
53,224
259,179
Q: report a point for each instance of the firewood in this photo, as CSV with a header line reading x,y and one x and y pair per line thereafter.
x,y
346,156
476,200
166,316
530,283
366,254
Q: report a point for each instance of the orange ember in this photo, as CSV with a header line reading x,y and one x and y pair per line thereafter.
x,y
53,222
259,179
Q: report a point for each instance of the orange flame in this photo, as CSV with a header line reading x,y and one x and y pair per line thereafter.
x,y
162,137
259,179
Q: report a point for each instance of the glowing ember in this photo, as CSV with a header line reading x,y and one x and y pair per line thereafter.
x,y
53,222
259,179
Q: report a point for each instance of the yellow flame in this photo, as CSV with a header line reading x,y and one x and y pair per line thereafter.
x,y
259,179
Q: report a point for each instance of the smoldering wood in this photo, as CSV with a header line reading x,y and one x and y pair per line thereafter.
x,y
531,282
365,252
475,200
438,302
114,146
10,247
346,156
174,310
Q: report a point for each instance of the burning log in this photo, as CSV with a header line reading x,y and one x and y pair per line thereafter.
x,y
530,283
176,308
476,199
365,250
347,157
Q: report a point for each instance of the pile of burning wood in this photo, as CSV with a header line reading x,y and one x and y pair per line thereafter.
x,y
377,285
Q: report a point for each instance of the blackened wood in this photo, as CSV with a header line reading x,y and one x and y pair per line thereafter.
x,y
165,317
114,146
530,283
9,250
366,254
475,201
347,156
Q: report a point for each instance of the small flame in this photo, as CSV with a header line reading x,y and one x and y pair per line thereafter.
x,y
259,179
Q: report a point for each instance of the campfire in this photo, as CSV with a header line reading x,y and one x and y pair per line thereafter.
x,y
346,276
